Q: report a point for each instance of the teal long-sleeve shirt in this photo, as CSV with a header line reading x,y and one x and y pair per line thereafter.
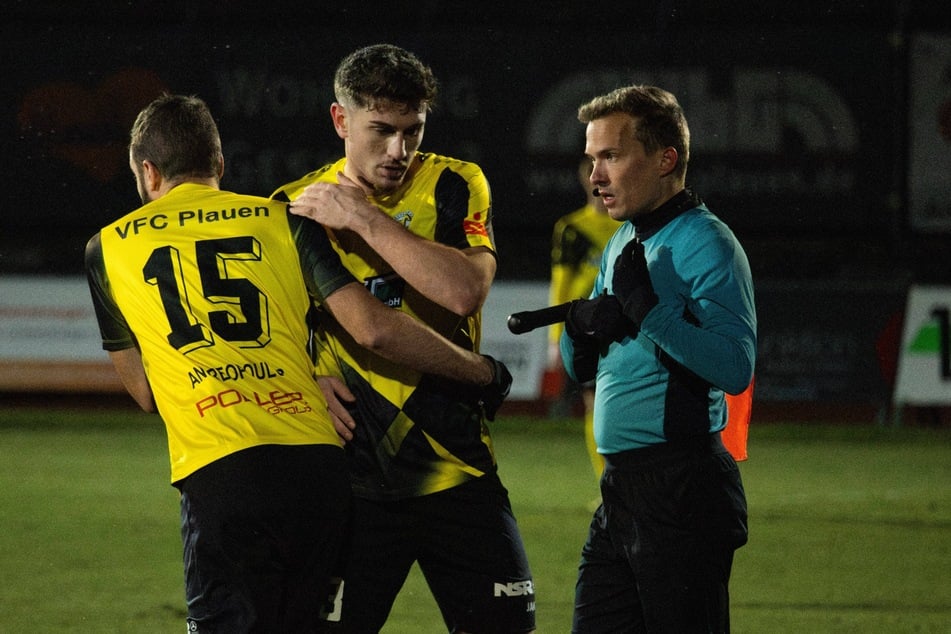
x,y
667,383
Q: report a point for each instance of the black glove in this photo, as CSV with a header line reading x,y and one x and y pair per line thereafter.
x,y
584,361
495,392
632,283
600,319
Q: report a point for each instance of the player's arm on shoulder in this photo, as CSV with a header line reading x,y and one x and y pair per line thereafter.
x,y
456,279
398,337
128,365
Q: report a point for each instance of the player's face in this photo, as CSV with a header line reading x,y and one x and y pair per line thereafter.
x,y
380,143
627,176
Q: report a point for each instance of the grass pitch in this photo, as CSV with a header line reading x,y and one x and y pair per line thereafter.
x,y
850,526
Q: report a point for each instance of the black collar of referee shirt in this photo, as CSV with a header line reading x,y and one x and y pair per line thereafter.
x,y
647,225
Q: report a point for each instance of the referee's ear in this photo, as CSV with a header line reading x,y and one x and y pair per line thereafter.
x,y
669,158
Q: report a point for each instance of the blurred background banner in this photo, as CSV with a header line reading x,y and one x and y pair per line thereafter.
x,y
929,161
523,354
49,339
47,318
924,364
819,133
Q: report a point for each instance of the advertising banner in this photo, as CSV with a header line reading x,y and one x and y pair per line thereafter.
x,y
929,161
924,363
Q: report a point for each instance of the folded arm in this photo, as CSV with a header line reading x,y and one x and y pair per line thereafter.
x,y
457,280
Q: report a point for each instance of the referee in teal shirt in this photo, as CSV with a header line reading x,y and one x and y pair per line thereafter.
x,y
669,328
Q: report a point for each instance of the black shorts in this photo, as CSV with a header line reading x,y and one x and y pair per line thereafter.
x,y
660,548
468,547
261,530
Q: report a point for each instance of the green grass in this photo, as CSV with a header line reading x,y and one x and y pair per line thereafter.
x,y
850,526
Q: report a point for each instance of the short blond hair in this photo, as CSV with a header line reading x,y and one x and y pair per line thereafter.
x,y
660,119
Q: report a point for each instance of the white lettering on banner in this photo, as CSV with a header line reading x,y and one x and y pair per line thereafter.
x,y
254,92
753,112
762,105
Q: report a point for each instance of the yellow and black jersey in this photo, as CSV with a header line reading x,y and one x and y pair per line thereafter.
x,y
210,286
578,240
416,435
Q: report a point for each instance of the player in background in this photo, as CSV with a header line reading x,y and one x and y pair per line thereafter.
x,y
578,240
416,228
670,327
201,297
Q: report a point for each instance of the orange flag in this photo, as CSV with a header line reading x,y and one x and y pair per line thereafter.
x,y
738,411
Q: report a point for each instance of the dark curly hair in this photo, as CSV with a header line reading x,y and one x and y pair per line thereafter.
x,y
384,73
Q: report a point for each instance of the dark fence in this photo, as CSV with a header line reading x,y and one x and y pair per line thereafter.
x,y
799,116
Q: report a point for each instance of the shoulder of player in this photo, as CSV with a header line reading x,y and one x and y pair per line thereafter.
x,y
211,198
438,162
93,252
623,235
703,232
291,190
700,222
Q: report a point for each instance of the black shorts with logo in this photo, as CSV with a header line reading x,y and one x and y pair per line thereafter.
x,y
467,544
